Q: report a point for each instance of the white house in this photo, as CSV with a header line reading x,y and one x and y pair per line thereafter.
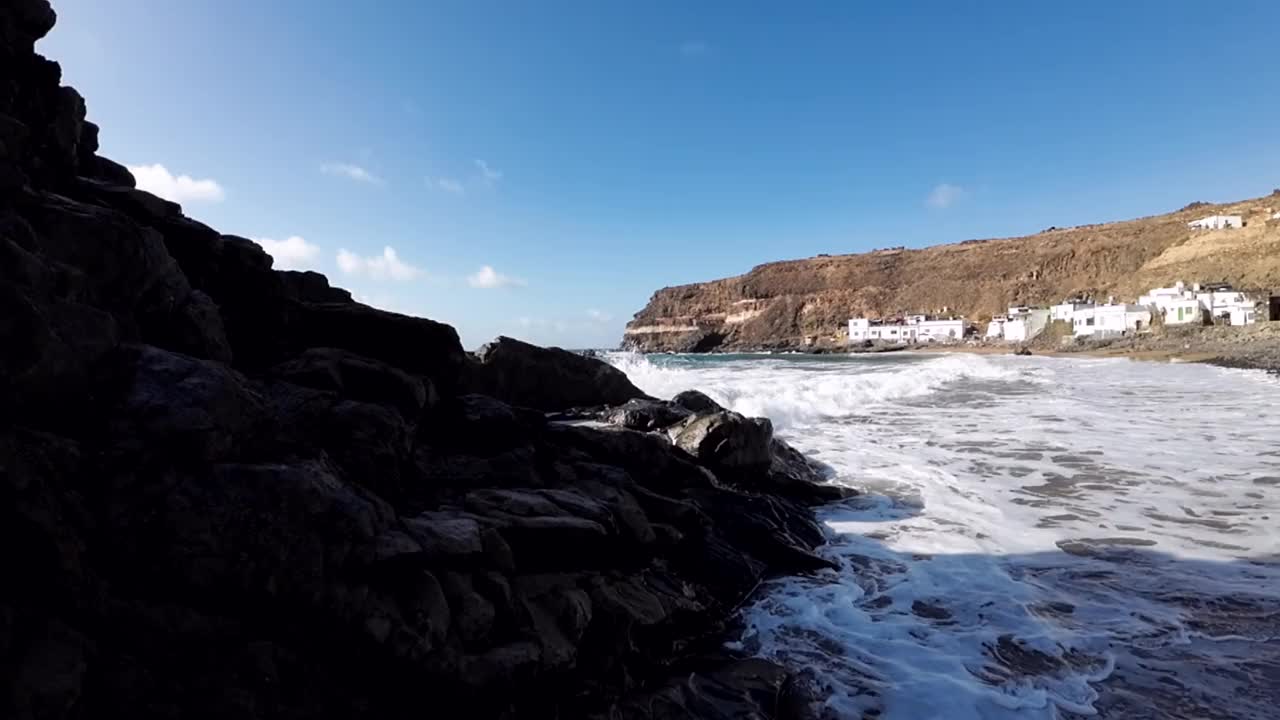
x,y
1181,311
995,328
1159,297
1176,304
1025,323
1110,320
1064,311
1217,222
1243,316
948,330
1220,300
861,329
917,328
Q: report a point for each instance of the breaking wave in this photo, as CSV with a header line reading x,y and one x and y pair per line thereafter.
x,y
795,393
1037,537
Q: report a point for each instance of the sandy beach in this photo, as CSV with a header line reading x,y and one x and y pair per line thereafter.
x,y
1252,346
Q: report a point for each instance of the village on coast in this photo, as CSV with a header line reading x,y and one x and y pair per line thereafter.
x,y
1080,319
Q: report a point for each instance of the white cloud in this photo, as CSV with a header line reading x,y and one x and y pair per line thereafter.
x,y
157,180
448,185
487,277
292,253
599,315
488,175
351,172
693,48
387,266
945,195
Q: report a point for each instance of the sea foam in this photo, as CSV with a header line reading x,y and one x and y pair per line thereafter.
x,y
1037,537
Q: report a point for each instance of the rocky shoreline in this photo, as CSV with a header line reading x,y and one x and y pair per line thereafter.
x,y
228,491
1251,347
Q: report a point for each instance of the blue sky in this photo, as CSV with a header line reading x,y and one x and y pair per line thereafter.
x,y
588,153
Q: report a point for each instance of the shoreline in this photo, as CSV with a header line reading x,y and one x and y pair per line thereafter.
x,y
1249,347
1166,356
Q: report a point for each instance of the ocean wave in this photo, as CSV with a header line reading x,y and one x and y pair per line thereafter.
x,y
771,388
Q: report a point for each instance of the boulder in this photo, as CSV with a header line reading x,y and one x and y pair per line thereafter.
x,y
718,689
25,22
696,401
358,378
799,478
448,538
415,345
547,379
727,442
184,411
370,443
122,263
645,414
309,286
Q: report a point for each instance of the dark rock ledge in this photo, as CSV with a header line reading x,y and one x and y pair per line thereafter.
x,y
231,492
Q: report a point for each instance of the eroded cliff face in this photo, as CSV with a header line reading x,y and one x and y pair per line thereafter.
x,y
797,302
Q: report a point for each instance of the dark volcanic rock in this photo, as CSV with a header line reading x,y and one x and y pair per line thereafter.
x,y
311,286
358,377
547,379
228,491
696,401
647,415
717,689
727,442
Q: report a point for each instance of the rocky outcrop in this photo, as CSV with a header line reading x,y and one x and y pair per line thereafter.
x,y
548,379
806,304
231,492
740,450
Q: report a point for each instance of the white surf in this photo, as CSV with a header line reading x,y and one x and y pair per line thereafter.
x,y
1037,538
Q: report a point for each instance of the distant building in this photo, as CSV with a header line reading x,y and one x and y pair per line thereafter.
x,y
1024,323
916,328
1182,312
1220,300
1110,320
1064,311
1161,296
941,330
1176,304
1243,316
995,328
1217,222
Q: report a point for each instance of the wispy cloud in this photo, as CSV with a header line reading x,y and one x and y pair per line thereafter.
x,y
351,172
292,253
693,48
599,315
944,195
449,185
486,277
387,266
488,175
157,180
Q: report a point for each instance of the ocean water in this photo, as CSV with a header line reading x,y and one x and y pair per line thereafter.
x,y
1037,537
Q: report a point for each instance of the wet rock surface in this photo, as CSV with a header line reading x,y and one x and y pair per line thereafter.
x,y
228,491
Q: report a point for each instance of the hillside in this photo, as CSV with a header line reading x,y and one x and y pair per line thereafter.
x,y
780,304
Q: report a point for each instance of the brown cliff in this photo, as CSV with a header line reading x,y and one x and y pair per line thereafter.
x,y
792,303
